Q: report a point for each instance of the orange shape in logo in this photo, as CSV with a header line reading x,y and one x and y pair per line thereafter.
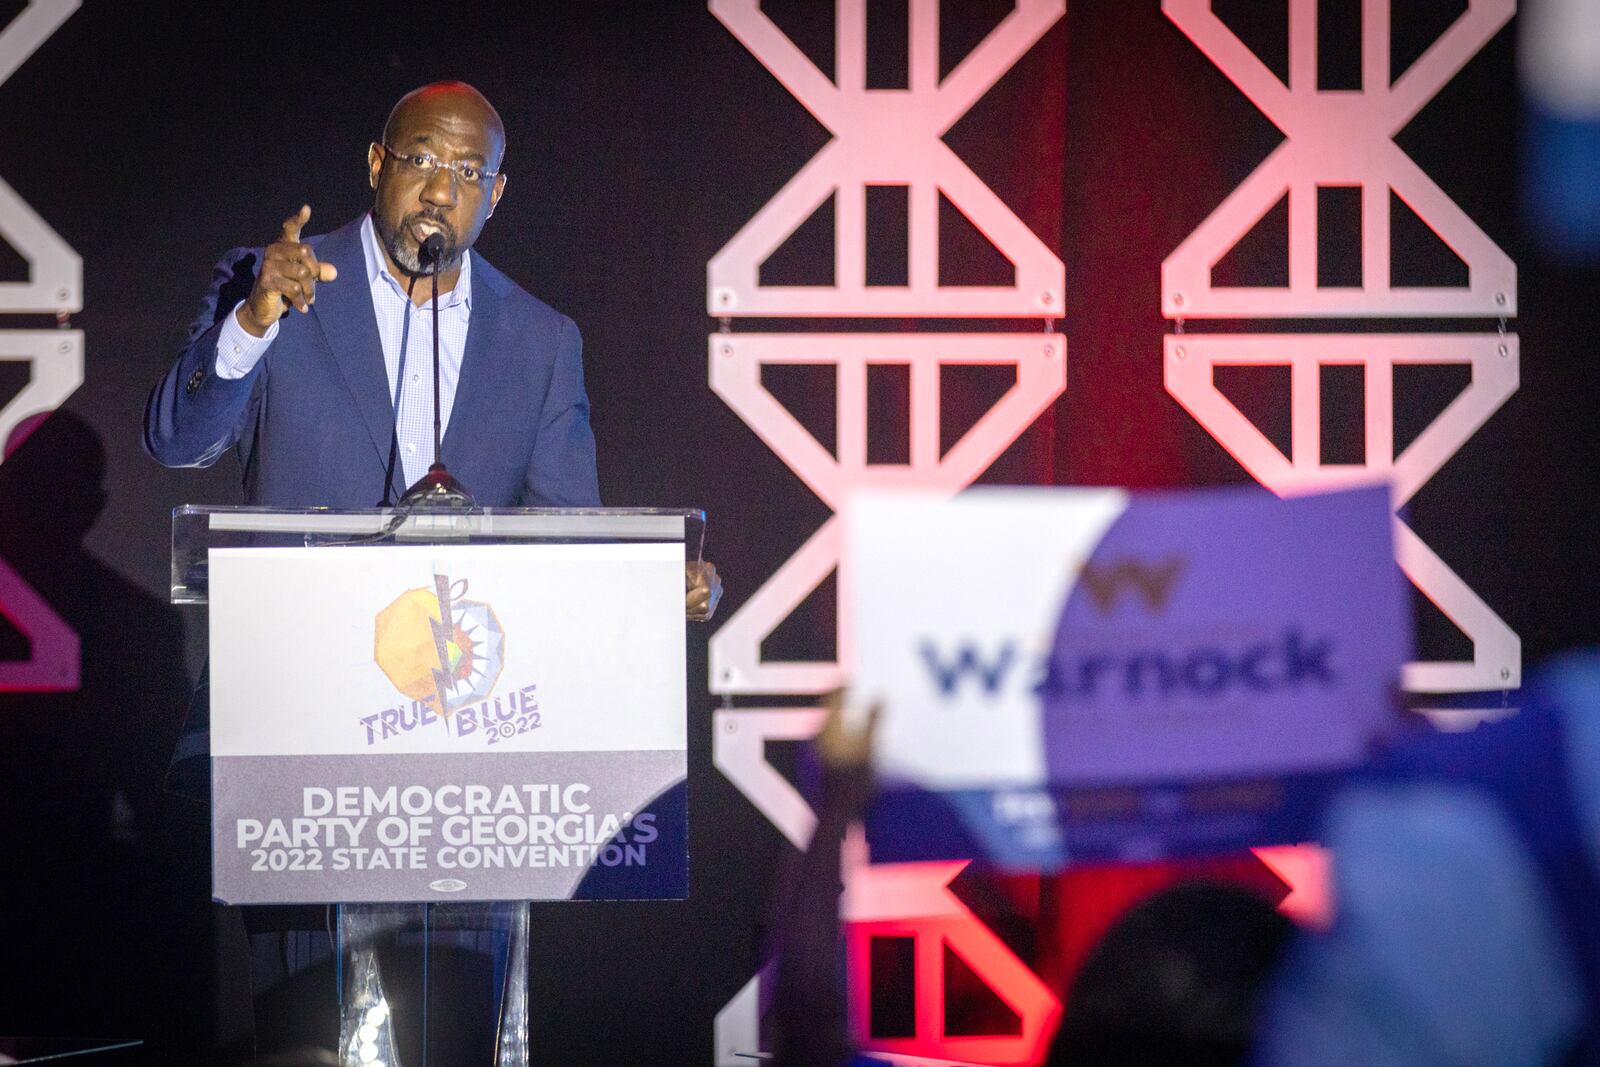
x,y
404,647
448,666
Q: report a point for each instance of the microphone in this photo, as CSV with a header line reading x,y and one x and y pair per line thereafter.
x,y
433,250
438,488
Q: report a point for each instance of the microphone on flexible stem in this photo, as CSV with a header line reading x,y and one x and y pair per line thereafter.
x,y
438,488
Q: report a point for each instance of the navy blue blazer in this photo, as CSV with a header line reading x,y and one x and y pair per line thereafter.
x,y
312,420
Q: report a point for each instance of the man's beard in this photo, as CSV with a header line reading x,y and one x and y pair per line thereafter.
x,y
407,256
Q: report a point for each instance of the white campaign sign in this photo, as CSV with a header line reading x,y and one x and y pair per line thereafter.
x,y
936,573
1089,674
1067,636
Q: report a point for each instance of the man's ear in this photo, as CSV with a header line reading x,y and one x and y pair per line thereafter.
x,y
374,164
494,194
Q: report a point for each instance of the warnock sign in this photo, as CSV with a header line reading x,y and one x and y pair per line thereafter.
x,y
1090,674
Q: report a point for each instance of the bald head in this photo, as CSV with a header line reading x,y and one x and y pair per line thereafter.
x,y
455,101
437,171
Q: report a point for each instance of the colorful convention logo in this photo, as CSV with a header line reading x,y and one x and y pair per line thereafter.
x,y
445,652
435,644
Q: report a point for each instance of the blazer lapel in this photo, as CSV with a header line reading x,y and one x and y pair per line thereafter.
x,y
476,383
344,312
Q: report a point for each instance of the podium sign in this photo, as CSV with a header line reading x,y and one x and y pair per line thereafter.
x,y
448,722
1079,674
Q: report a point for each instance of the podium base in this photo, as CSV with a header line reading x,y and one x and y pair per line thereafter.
x,y
437,490
367,1022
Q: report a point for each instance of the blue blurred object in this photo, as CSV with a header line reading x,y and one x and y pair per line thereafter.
x,y
1467,892
1559,61
1561,183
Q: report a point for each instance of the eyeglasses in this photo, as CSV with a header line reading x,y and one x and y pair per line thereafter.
x,y
424,165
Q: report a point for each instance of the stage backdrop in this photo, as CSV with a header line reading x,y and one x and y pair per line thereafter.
x,y
810,249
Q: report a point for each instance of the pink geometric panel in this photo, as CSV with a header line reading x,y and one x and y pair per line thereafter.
x,y
1190,363
886,137
1338,138
52,665
55,370
739,750
880,138
55,271
913,900
55,359
736,362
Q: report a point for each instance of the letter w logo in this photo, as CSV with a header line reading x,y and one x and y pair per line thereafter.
x,y
947,676
1153,583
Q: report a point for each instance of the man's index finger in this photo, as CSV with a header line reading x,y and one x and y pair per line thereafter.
x,y
292,224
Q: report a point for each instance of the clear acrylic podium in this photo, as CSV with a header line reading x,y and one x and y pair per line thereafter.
x,y
497,928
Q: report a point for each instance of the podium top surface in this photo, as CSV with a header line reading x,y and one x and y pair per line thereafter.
x,y
196,530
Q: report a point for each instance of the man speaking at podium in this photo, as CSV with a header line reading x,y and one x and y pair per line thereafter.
x,y
313,356
333,406
322,403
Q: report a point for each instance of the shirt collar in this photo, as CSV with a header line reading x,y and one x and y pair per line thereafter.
x,y
376,270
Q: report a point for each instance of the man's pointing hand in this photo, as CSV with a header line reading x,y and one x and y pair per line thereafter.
x,y
288,278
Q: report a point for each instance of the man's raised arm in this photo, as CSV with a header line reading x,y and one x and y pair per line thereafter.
x,y
199,407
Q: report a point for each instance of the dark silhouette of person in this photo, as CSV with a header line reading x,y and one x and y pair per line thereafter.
x,y
106,922
1177,979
